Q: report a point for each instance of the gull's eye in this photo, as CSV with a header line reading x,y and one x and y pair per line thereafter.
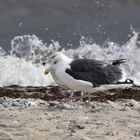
x,y
44,63
55,62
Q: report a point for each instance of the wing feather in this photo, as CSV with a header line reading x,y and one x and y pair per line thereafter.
x,y
94,71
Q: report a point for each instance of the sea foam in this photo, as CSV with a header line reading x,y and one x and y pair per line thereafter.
x,y
22,64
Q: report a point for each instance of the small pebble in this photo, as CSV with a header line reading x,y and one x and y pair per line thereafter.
x,y
132,104
137,134
80,126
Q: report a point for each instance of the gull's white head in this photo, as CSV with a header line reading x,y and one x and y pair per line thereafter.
x,y
57,60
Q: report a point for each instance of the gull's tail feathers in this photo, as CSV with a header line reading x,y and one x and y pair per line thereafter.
x,y
119,61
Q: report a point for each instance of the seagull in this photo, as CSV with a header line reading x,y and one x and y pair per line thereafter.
x,y
86,75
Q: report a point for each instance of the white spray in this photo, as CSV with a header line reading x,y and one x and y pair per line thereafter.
x,y
22,66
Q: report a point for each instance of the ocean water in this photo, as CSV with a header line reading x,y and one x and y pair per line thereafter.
x,y
22,64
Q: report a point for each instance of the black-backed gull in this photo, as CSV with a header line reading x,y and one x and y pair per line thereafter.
x,y
85,75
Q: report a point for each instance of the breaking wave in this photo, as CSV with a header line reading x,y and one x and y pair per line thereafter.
x,y
22,64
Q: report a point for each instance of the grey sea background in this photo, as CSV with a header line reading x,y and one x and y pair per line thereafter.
x,y
66,21
31,30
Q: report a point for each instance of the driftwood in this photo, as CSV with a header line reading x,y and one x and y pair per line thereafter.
x,y
56,93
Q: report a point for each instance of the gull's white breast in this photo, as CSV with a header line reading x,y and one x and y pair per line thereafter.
x,y
70,82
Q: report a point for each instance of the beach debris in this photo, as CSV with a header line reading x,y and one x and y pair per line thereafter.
x,y
18,103
61,105
56,93
132,104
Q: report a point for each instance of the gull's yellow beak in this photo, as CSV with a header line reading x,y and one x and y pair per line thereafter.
x,y
46,72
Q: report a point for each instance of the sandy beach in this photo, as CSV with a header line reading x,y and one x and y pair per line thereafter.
x,y
53,120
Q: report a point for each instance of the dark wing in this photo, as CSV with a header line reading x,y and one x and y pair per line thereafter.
x,y
94,71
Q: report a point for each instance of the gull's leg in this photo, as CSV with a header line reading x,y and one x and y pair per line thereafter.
x,y
88,102
72,94
72,97
78,97
68,98
85,95
89,97
81,96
